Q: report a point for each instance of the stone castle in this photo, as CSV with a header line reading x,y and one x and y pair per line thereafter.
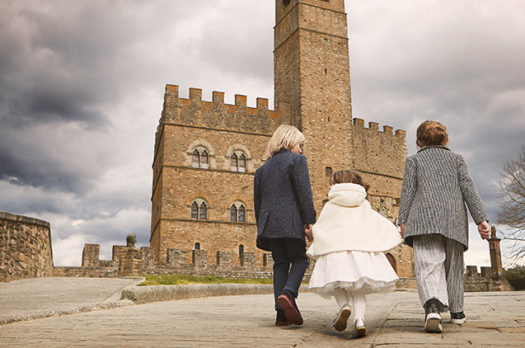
x,y
206,152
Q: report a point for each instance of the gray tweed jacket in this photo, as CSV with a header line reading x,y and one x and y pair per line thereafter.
x,y
436,186
282,198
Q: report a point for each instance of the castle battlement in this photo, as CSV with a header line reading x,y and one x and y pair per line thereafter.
x,y
128,260
216,114
374,126
381,154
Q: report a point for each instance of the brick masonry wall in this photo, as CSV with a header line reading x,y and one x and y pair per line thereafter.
x,y
90,272
218,186
25,247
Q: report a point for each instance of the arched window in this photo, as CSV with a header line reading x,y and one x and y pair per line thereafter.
x,y
242,214
203,213
233,164
242,163
194,210
204,160
199,209
200,156
195,159
233,213
197,246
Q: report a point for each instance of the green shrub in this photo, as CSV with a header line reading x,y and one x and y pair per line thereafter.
x,y
179,279
516,277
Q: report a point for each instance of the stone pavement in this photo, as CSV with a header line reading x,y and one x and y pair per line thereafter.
x,y
43,297
394,320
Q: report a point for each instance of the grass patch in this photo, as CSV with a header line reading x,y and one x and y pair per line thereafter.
x,y
180,279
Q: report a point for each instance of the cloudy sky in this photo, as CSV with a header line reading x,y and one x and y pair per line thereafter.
x,y
81,87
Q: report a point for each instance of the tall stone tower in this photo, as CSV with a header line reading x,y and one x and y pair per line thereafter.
x,y
312,75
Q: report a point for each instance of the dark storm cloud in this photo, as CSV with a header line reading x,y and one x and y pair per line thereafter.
x,y
71,75
49,68
64,62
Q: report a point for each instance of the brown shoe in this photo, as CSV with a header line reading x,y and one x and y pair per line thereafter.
x,y
341,320
287,303
281,320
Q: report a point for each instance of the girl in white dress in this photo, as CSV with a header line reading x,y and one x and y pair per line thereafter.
x,y
348,243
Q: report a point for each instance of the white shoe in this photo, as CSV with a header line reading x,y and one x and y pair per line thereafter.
x,y
340,321
433,322
360,329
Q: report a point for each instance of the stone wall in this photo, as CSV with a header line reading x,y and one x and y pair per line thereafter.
x,y
131,261
89,272
221,130
25,247
190,124
487,279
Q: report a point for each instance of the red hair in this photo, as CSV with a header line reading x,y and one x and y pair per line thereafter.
x,y
432,133
348,176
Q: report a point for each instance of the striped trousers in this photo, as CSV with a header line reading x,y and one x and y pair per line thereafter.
x,y
438,265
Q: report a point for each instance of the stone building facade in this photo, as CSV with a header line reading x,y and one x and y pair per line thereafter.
x,y
206,152
25,247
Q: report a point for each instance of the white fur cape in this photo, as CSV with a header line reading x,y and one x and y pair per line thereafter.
x,y
348,223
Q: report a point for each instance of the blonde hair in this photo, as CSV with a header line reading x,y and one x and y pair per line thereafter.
x,y
348,176
432,133
285,136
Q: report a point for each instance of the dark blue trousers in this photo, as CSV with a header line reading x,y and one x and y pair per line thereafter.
x,y
289,264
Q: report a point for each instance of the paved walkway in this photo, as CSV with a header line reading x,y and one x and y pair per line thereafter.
x,y
43,297
393,320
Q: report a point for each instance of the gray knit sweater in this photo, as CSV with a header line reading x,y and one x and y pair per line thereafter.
x,y
436,186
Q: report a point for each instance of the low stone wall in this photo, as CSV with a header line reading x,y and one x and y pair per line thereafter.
x,y
145,294
486,280
25,247
89,272
131,261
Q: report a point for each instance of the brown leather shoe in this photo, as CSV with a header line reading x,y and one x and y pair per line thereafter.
x,y
281,320
286,302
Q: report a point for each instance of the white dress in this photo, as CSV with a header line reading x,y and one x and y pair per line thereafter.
x,y
349,240
352,270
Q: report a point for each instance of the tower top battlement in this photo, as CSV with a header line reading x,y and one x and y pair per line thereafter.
x,y
216,113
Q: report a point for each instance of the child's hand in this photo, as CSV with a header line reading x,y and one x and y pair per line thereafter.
x,y
402,230
484,230
308,232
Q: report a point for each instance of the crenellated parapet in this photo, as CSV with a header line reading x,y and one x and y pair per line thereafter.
x,y
132,261
215,114
485,280
380,156
359,124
